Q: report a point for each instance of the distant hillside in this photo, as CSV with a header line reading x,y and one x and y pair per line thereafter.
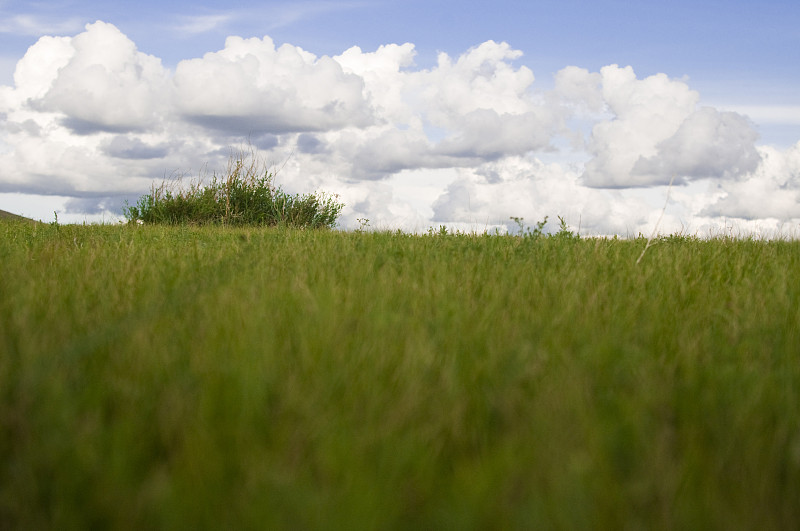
x,y
8,215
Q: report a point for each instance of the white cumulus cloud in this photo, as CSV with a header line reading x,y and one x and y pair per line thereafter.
x,y
250,85
97,81
92,118
772,190
528,188
708,143
645,113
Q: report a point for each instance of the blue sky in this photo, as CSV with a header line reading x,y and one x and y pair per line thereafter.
x,y
738,57
713,42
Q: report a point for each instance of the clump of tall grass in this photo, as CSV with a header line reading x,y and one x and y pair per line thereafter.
x,y
534,233
245,195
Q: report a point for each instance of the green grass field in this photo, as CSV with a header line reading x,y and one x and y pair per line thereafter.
x,y
240,378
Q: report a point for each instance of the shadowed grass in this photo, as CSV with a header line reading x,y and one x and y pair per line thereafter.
x,y
185,377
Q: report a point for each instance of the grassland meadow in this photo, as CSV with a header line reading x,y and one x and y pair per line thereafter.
x,y
182,376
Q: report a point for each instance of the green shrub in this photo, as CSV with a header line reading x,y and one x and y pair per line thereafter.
x,y
246,195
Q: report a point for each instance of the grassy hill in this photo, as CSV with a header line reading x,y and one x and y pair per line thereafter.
x,y
13,217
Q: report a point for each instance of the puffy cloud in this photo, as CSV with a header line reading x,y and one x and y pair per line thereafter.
x,y
252,86
645,112
39,68
467,141
771,191
657,133
528,188
453,96
465,111
379,153
580,87
101,82
708,143
482,78
485,134
384,81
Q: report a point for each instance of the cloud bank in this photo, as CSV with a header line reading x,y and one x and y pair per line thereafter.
x,y
469,141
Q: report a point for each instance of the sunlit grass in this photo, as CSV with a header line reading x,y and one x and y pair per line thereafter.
x,y
217,377
245,195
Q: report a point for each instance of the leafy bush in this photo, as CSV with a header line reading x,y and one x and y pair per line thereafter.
x,y
245,196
